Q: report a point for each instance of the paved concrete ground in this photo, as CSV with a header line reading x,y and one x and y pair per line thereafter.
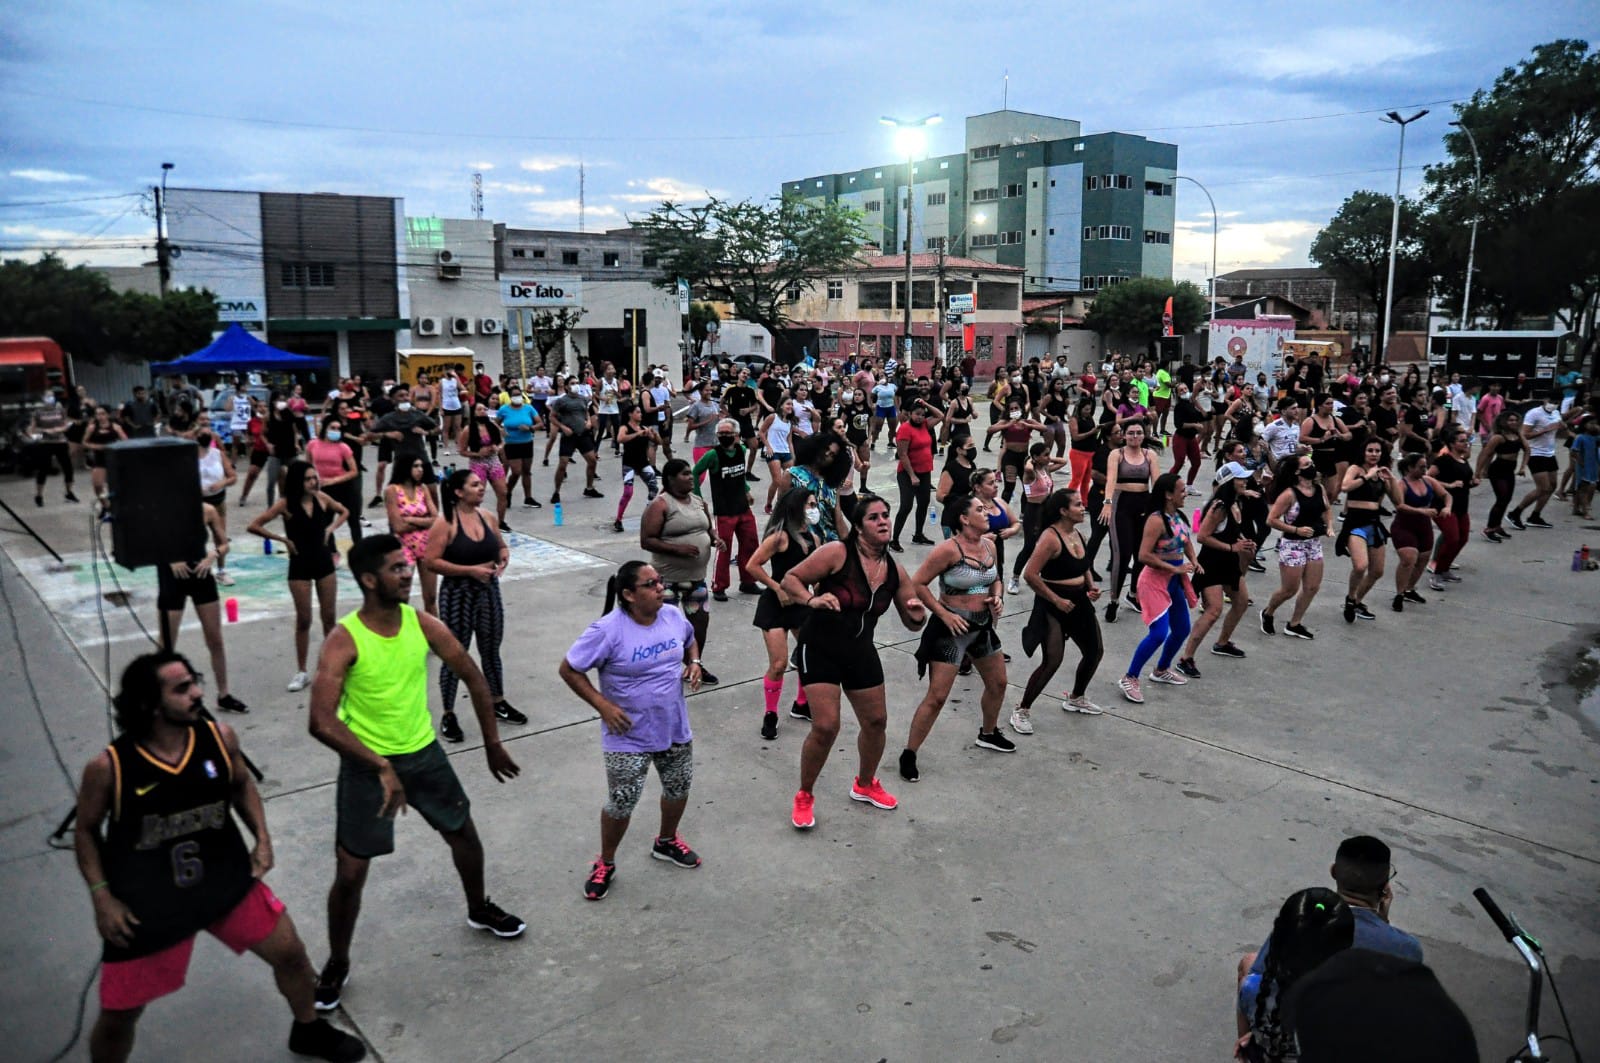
x,y
1084,899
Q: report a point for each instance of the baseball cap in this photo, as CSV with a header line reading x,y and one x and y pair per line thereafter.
x,y
1231,471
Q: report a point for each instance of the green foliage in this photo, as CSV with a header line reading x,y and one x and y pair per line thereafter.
x,y
749,254
700,316
1135,308
1538,201
1354,249
549,331
78,308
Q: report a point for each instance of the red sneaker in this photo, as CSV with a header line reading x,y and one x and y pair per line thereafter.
x,y
873,794
802,817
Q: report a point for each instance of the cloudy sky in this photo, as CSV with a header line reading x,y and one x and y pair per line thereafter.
x,y
1274,106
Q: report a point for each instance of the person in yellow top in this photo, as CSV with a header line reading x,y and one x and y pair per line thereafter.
x,y
1161,398
369,703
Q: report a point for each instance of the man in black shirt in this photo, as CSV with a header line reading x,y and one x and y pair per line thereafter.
x,y
1414,424
172,862
575,423
139,415
730,501
1386,420
405,427
379,406
740,403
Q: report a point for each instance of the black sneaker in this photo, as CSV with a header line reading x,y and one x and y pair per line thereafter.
x,y
377,501
1266,624
1363,613
69,496
769,725
533,503
719,596
674,851
922,540
491,917
1298,631
1399,604
894,545
334,977
1187,667
1256,566
1132,599
1413,596
995,741
450,728
1349,611
1537,521
1516,520
752,477
504,711
799,711
555,498
232,704
707,679
1228,649
1111,612
598,884
590,492
616,525
908,765
320,1039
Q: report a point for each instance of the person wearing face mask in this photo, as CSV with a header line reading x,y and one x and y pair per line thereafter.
x,y
883,408
519,421
1540,427
572,419
1015,430
283,444
336,468
789,538
481,443
857,414
1224,550
47,431
1187,420
730,501
1300,511
956,477
407,428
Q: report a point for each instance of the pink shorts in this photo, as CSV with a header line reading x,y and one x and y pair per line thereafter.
x,y
129,984
489,470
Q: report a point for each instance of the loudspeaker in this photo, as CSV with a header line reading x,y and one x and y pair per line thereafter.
x,y
154,486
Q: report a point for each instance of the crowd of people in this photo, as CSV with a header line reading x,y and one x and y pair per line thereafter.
x,y
1106,458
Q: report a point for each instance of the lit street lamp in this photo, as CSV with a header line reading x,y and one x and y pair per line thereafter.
x,y
1477,209
1201,187
911,141
1394,118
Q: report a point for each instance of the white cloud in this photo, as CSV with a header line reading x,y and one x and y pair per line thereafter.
x,y
48,176
1250,245
546,163
1357,50
74,248
516,188
481,165
567,208
655,189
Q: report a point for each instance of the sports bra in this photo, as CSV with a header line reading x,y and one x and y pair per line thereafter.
x,y
999,520
1016,433
462,549
1170,547
859,605
1421,501
1140,470
1366,491
1064,566
1038,489
968,576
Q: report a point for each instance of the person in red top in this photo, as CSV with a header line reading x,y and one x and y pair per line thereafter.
x,y
482,385
1087,381
913,445
969,369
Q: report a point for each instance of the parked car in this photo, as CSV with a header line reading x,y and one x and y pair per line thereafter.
x,y
753,362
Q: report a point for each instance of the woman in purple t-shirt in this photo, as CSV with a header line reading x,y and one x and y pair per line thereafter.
x,y
645,650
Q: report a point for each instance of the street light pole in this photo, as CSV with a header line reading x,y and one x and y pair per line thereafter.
x,y
1213,318
1477,210
163,248
1394,118
910,139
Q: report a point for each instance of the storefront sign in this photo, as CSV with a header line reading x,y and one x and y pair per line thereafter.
x,y
541,291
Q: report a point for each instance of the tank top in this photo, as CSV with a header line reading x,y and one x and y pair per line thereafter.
x,y
462,549
1309,510
1227,530
211,472
636,452
1366,491
384,701
778,436
960,479
1088,443
686,522
1318,437
969,576
859,605
1038,490
450,394
1140,471
791,555
1064,566
307,531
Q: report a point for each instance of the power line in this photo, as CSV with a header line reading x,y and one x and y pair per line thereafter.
x,y
58,202
1297,118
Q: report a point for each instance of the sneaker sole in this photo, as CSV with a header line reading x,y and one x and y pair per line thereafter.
x,y
981,744
1026,729
1171,681
803,826
320,1006
1068,707
1303,638
474,924
864,799
674,861
797,716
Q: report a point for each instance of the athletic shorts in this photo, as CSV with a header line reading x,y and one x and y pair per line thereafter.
x,y
940,645
488,471
385,451
771,615
1411,532
1014,459
432,791
782,456
1542,463
1374,535
1161,405
692,596
258,458
173,591
1297,553
312,568
519,451
129,984
625,774
884,413
849,664
218,500
581,443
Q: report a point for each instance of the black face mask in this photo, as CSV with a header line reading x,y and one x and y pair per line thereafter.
x,y
1308,473
726,441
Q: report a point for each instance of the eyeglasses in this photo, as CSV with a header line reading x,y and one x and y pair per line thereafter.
x,y
657,582
1393,871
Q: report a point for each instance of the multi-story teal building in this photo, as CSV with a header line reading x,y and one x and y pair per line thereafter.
x,y
1076,212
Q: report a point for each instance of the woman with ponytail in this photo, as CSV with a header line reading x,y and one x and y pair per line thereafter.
x,y
1312,925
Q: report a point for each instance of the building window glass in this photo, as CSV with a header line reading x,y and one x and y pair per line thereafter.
x,y
936,243
791,294
944,165
873,206
828,344
936,199
1087,284
517,252
992,151
537,252
1154,236
1091,183
983,195
1012,190
983,240
984,347
875,295
569,258
835,290
306,274
649,261
1012,237
611,259
1157,188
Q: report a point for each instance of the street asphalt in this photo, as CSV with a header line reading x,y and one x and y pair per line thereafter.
x,y
1083,899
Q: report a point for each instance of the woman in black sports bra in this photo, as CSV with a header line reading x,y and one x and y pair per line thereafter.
x,y
1225,552
787,541
1326,435
1363,538
848,584
1497,464
1063,608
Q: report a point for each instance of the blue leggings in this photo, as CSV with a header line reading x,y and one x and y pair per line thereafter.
x,y
1170,628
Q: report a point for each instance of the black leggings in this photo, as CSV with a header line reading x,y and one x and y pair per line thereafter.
x,y
45,454
1079,625
348,495
1504,488
1097,533
1128,512
1032,517
921,489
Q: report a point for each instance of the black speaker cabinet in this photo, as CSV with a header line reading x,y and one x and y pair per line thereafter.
x,y
155,501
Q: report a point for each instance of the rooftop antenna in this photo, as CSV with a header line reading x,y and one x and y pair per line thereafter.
x,y
477,195
1005,91
580,195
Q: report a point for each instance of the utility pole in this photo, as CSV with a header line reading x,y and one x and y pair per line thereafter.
x,y
580,195
1394,229
1477,211
163,248
477,195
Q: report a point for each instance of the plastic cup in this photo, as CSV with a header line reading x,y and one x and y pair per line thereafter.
x,y
231,609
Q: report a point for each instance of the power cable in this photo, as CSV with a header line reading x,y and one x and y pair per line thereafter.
x,y
58,202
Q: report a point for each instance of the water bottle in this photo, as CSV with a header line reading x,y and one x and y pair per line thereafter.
x,y
933,515
266,546
555,515
1577,560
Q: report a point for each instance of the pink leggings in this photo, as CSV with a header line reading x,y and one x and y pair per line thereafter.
x,y
1453,531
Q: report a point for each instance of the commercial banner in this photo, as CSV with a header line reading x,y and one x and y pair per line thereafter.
x,y
541,291
248,309
1259,339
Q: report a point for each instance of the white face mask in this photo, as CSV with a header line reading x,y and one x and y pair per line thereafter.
x,y
813,515
1383,378
1549,407
403,406
49,400
516,400
334,435
280,405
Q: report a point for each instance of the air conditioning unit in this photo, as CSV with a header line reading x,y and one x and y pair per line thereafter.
x,y
491,326
427,326
461,326
445,258
449,268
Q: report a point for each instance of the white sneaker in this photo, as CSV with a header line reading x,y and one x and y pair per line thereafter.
x,y
1013,587
1082,705
1436,583
1168,676
298,683
1022,721
224,579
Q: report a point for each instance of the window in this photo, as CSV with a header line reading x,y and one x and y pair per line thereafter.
x,y
758,342
1033,232
537,252
1036,184
1153,236
1157,188
944,165
517,252
1122,232
990,152
852,180
1087,284
875,295
569,258
1078,146
936,199
873,206
819,184
1013,237
983,195
984,347
1012,190
877,174
828,344
1052,182
610,259
936,243
835,290
983,240
1088,232
306,274
649,260
1052,232
791,294
1091,183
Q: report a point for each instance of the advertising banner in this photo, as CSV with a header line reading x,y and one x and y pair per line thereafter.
x,y
541,291
1259,339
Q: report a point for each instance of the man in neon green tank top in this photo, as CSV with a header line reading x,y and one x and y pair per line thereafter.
x,y
369,703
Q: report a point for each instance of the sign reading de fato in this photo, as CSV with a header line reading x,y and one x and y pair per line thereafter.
x,y
541,291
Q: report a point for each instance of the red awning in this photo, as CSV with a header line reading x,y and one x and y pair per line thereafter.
x,y
23,357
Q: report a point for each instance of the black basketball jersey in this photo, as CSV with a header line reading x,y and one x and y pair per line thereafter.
x,y
172,852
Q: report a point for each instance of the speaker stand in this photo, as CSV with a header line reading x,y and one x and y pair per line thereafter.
x,y
60,565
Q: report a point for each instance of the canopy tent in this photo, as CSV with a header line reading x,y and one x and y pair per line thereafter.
x,y
236,350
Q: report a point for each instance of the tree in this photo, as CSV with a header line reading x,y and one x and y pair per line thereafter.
x,y
548,332
1353,248
1538,202
701,315
1135,308
752,255
78,308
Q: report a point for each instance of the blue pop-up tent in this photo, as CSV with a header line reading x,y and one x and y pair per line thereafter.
x,y
237,350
